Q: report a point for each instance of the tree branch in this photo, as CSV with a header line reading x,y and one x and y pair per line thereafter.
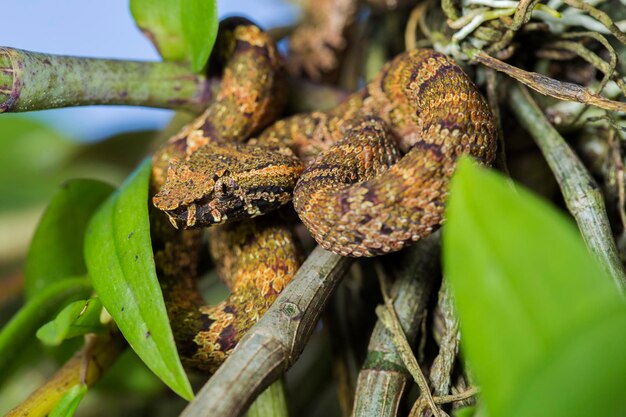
x,y
275,342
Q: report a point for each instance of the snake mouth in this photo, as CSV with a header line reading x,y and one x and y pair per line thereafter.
x,y
207,212
229,208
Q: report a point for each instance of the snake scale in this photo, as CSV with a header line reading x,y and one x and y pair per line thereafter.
x,y
367,178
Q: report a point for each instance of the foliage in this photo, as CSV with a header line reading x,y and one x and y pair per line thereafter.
x,y
33,155
56,249
542,323
199,22
117,249
55,269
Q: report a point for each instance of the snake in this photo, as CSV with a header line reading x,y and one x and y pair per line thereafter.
x,y
366,178
256,258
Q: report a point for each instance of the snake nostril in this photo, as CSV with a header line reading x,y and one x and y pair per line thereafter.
x,y
220,189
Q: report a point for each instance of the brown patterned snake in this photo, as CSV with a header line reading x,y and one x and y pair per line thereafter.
x,y
358,195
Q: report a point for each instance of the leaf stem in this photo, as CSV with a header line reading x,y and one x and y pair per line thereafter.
x,y
35,81
580,191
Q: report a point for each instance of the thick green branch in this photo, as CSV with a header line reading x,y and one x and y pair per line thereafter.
x,y
581,193
34,81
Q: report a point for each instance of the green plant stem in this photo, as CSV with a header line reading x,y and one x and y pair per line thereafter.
x,y
271,403
35,81
383,378
275,342
449,7
85,367
581,193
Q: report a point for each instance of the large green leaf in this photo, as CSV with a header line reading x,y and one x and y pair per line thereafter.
x,y
56,250
119,259
180,29
21,328
199,22
542,324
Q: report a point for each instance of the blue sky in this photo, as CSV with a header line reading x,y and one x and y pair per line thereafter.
x,y
105,29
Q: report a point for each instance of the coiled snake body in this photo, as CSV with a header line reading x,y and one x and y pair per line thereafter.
x,y
352,187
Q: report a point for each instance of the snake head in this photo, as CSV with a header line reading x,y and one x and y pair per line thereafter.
x,y
226,183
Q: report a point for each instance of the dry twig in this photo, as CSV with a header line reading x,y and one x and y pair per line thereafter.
x,y
546,85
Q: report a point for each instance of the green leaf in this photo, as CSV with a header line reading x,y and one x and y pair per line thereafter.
x,y
542,323
67,405
119,259
21,328
76,319
160,21
199,22
56,250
